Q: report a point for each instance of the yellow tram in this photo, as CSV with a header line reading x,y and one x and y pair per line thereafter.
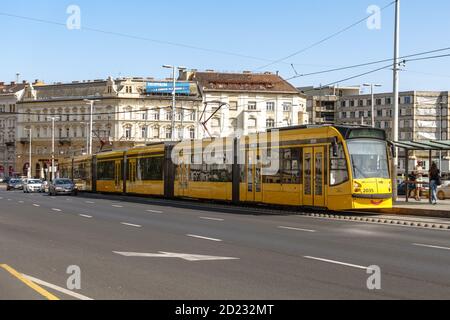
x,y
331,167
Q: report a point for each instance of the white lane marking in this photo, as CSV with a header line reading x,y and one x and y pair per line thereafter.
x,y
296,229
184,256
86,216
54,287
90,202
212,219
203,238
9,200
57,210
21,201
117,206
430,246
154,211
337,262
131,225
36,205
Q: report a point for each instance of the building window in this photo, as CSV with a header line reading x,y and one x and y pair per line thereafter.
x,y
388,101
379,102
252,106
168,116
343,104
215,123
352,103
128,132
233,105
144,131
252,123
193,116
270,123
407,100
192,133
287,107
168,133
270,106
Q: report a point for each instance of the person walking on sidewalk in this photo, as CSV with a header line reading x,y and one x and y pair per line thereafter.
x,y
435,181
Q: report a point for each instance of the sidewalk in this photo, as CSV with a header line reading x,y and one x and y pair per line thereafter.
x,y
420,208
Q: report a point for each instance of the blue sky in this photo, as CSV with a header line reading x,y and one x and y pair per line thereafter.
x,y
263,29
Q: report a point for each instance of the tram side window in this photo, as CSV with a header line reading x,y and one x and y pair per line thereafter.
x,y
291,165
271,166
211,173
150,169
338,167
105,171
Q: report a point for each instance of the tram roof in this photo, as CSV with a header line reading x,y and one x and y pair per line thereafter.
x,y
434,145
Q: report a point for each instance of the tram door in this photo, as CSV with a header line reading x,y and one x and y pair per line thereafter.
x,y
132,170
254,176
183,182
118,183
313,177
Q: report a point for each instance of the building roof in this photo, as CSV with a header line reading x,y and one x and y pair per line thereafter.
x,y
7,89
250,82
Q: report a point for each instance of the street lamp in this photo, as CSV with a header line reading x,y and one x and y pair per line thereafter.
x,y
371,85
52,171
174,92
91,103
29,159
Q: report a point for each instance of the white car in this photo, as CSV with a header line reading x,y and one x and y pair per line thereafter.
x,y
443,191
33,185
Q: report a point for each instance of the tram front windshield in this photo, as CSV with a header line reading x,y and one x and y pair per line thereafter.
x,y
368,159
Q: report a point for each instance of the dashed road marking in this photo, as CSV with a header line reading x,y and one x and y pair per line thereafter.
x,y
86,216
36,205
131,225
154,211
203,238
337,262
90,202
297,229
212,219
57,210
430,246
117,206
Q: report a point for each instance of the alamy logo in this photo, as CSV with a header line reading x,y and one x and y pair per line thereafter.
x,y
374,281
74,20
74,281
374,21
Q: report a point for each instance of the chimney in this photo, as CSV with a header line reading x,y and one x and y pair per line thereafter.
x,y
13,83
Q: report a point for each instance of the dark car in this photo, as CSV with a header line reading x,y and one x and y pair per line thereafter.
x,y
62,186
14,184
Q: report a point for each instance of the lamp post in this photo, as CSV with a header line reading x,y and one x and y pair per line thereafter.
x,y
52,171
174,92
91,103
29,155
371,85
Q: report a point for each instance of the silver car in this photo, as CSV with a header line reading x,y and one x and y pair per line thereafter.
x,y
62,186
33,185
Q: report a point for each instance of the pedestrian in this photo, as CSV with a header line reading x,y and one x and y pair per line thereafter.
x,y
419,180
413,186
435,181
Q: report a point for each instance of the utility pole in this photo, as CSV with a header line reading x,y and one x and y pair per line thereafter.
x,y
29,156
372,93
396,92
91,122
174,97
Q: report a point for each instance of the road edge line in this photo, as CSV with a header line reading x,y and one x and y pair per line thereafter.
x,y
30,283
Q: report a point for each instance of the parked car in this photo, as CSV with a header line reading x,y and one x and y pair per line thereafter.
x,y
62,186
33,185
444,191
14,184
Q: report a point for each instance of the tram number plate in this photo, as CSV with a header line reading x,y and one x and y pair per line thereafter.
x,y
368,190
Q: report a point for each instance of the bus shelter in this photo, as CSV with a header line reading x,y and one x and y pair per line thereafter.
x,y
424,146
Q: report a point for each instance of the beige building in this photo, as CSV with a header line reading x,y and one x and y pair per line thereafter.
x,y
424,115
246,102
125,115
323,102
9,95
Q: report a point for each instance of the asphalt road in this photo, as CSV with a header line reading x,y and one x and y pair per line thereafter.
x,y
208,252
